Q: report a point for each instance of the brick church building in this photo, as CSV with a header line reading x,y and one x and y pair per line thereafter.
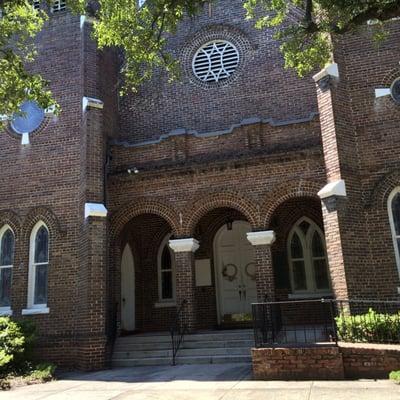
x,y
240,183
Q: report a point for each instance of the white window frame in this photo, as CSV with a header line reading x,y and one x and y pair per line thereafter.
x,y
35,308
395,237
36,4
58,6
6,310
308,259
161,300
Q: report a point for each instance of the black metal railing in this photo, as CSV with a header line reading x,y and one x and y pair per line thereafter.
x,y
325,320
178,331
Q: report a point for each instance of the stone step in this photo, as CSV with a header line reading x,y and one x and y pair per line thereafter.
x,y
223,351
181,360
187,344
162,338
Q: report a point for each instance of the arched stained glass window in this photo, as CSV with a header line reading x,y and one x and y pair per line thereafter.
x,y
307,259
39,266
394,218
166,272
7,244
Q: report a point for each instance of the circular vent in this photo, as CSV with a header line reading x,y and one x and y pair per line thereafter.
x,y
29,120
395,90
215,61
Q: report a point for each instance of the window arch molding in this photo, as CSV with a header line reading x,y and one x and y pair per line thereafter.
x,y
166,273
394,220
308,261
7,253
39,255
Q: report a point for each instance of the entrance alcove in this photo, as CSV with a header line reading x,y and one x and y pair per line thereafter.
x,y
225,270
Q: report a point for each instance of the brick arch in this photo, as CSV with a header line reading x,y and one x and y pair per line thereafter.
x,y
41,214
10,218
146,206
202,206
286,191
382,190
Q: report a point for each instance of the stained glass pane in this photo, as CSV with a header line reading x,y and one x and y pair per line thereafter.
x,y
42,245
299,276
5,287
317,245
41,284
396,212
166,261
321,274
304,226
296,247
166,285
7,248
30,118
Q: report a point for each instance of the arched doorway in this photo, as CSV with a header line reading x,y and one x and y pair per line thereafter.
x,y
128,321
235,271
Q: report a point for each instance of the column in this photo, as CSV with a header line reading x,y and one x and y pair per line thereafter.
x,y
262,242
184,250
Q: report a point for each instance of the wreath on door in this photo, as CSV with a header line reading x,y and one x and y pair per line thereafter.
x,y
249,273
229,272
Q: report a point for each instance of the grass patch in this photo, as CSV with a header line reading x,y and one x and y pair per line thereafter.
x,y
395,376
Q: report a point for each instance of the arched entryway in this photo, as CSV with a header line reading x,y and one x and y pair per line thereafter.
x,y
235,272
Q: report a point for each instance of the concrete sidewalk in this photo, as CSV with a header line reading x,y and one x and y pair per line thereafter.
x,y
211,382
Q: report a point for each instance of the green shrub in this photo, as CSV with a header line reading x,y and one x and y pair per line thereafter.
x,y
395,376
371,327
43,372
12,344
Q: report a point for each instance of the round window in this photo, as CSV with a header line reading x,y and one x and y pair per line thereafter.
x,y
29,120
215,61
395,90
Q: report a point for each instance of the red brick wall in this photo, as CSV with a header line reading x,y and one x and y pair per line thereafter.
x,y
348,360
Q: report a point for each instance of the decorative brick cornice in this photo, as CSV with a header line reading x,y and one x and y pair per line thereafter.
x,y
244,122
184,245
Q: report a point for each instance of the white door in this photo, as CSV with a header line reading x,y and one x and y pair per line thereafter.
x,y
235,270
127,290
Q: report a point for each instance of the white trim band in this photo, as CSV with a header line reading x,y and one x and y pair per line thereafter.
x,y
335,188
95,210
261,238
6,312
92,103
331,70
36,311
184,245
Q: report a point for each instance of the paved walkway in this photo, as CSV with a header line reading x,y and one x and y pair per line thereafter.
x,y
209,382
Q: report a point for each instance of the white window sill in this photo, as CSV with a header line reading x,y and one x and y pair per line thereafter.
x,y
5,311
35,311
165,304
306,296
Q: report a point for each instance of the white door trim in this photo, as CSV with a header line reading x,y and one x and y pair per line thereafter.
x,y
128,321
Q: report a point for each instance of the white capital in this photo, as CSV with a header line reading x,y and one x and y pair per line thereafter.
x,y
261,238
184,245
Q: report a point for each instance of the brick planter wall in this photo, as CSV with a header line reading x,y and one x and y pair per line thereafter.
x,y
298,363
347,360
369,360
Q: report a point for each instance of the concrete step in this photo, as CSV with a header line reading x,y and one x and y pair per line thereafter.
x,y
187,344
162,338
181,360
221,351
